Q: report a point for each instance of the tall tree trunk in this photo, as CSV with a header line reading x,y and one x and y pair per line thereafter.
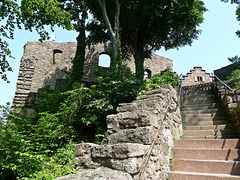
x,y
77,71
139,61
113,30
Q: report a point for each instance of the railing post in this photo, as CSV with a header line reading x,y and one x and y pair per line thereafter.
x,y
180,90
235,93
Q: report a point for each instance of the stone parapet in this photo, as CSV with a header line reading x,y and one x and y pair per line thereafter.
x,y
229,104
130,136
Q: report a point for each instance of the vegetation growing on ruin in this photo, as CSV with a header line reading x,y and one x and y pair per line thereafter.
x,y
235,75
41,146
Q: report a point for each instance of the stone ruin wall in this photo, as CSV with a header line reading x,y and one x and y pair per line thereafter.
x,y
45,63
130,134
225,71
192,78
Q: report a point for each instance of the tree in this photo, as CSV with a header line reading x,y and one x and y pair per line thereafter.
x,y
70,15
147,26
10,19
106,19
235,59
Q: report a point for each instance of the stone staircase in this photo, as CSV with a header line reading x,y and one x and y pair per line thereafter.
x,y
210,149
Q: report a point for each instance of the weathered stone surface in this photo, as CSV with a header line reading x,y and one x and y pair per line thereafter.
x,y
119,151
196,76
101,173
130,134
44,63
142,135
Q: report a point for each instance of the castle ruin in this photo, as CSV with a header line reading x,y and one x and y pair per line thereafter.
x,y
45,63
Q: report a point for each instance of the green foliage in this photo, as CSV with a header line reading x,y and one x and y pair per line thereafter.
x,y
33,148
234,75
9,20
40,147
159,80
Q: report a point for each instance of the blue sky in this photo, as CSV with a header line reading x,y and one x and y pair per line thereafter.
x,y
216,43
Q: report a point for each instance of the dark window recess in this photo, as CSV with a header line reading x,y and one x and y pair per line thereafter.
x,y
55,51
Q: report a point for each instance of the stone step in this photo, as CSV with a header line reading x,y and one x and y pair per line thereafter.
x,y
212,115
204,123
207,154
198,92
211,127
214,144
225,136
201,107
178,175
199,98
209,105
187,102
202,111
209,132
207,166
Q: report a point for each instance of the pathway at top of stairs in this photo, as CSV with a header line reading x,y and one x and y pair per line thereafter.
x,y
210,149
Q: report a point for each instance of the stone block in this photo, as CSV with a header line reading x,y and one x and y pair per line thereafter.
x,y
142,135
119,151
84,149
138,118
101,173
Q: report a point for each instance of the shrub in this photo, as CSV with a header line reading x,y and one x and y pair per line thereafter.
x,y
159,80
234,75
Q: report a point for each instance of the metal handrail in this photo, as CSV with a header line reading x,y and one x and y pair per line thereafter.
x,y
180,89
159,129
227,87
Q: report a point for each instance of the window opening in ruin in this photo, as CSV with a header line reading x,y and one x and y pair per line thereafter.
x,y
147,74
56,51
104,60
199,78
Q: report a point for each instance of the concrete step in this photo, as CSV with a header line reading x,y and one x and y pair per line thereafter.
x,y
211,127
207,166
207,154
209,132
214,144
178,175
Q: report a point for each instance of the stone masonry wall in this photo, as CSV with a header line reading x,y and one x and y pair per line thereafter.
x,y
46,63
223,72
196,76
229,104
130,134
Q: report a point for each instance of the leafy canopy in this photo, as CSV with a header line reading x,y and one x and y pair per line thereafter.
x,y
9,20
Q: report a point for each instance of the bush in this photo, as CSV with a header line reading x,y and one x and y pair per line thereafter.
x,y
40,147
234,75
159,80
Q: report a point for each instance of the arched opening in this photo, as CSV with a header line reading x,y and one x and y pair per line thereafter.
x,y
147,74
104,60
56,53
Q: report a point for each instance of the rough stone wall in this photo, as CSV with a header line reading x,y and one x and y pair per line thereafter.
x,y
196,76
46,63
130,134
156,64
229,104
223,72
